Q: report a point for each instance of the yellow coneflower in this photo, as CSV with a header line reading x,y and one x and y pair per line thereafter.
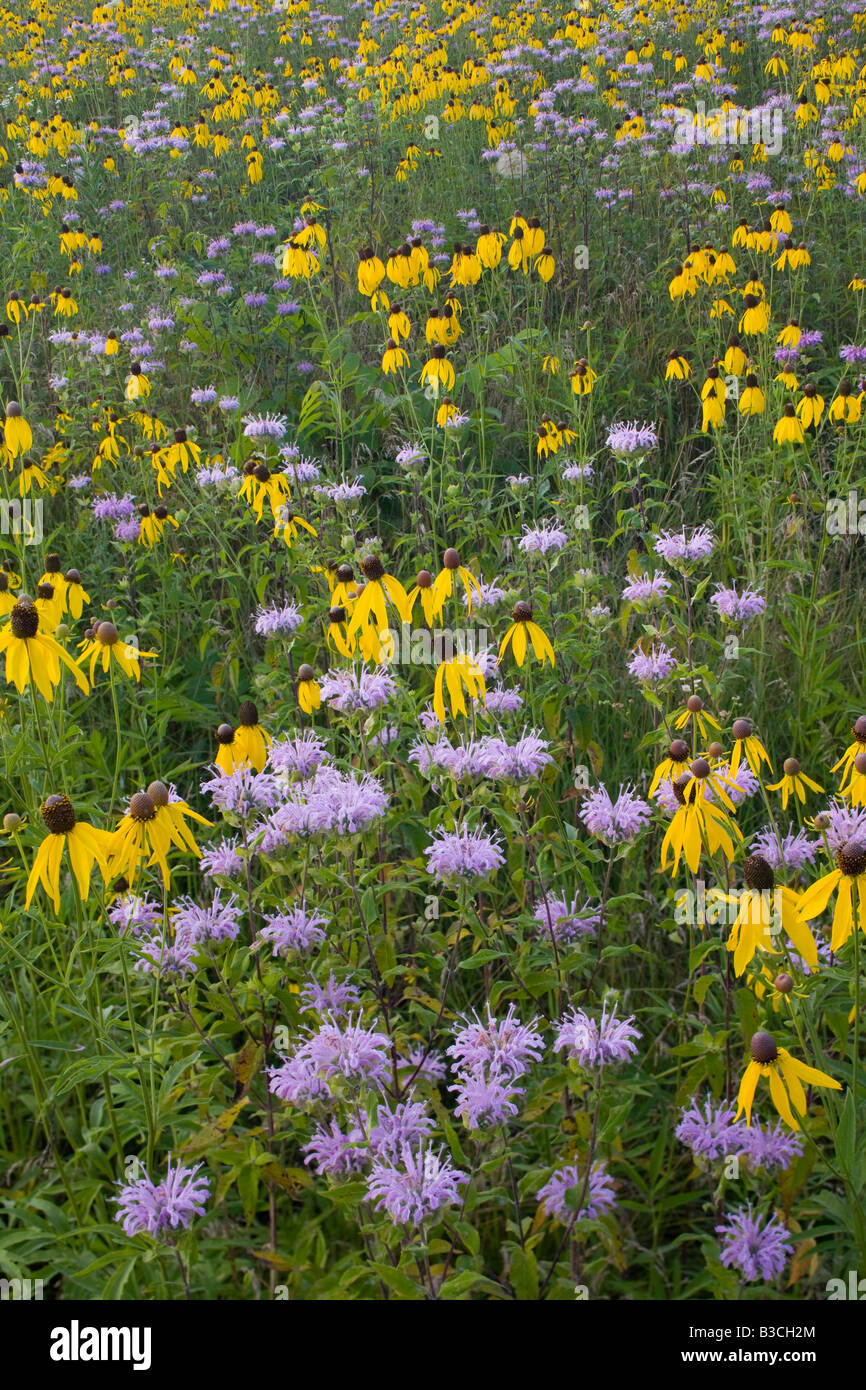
x,y
790,335
677,368
785,1074
373,598
488,247
752,401
75,593
64,305
105,646
261,485
846,761
17,433
49,606
438,370
84,843
850,872
459,671
746,742
670,767
845,408
523,630
394,357
693,712
309,690
182,450
734,360
7,598
793,783
764,910
443,586
153,523
371,272
15,308
684,283
172,813
811,407
251,740
699,821
583,378
287,524
755,319
337,633
33,655
788,429
137,384
425,591
141,834
398,323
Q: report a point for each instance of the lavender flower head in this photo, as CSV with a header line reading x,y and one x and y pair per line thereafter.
x,y
416,1187
144,1205
710,1131
758,1249
614,821
597,1190
463,854
676,548
597,1043
632,437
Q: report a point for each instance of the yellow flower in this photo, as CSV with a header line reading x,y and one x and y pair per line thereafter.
x,y
137,384
670,767
438,370
524,628
394,357
850,872
693,712
811,407
34,655
106,646
747,742
582,378
786,1076
75,593
309,690
459,671
16,431
425,590
755,318
846,408
371,272
373,598
764,909
678,368
699,821
788,429
141,834
251,740
793,783
852,751
260,484
443,586
752,401
84,844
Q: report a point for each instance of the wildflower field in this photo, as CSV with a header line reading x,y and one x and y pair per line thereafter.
x,y
432,696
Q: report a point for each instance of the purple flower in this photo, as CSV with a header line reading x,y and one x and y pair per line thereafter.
x,y
300,754
417,1186
564,919
347,691
632,437
758,1249
737,608
243,792
793,850
217,922
597,1190
407,1124
505,1044
647,589
485,1100
463,854
171,956
652,666
596,1043
283,619
773,1147
678,548
337,998
147,1206
222,859
335,1153
614,821
295,930
264,426
711,1132
541,539
846,823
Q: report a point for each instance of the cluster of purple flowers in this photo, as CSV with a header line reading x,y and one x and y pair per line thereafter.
x,y
489,1059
